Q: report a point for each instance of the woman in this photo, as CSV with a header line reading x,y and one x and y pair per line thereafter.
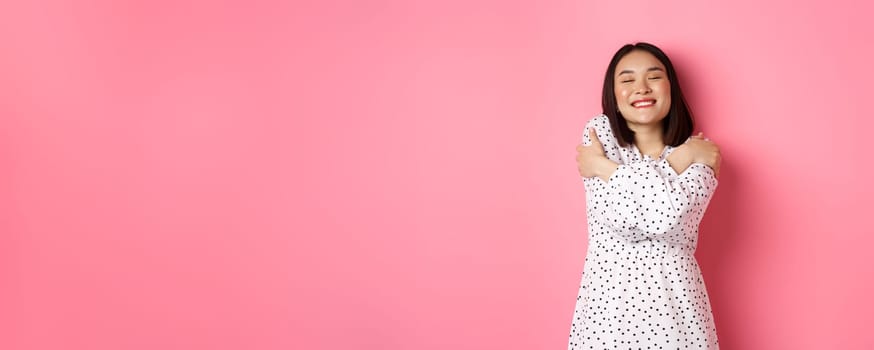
x,y
648,182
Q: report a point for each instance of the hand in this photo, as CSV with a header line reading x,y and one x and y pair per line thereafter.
x,y
704,151
591,160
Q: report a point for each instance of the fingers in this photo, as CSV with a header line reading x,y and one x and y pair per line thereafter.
x,y
700,136
594,136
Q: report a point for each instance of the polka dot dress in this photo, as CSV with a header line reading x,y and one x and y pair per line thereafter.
x,y
641,286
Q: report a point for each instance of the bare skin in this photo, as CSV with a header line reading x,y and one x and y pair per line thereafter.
x,y
592,162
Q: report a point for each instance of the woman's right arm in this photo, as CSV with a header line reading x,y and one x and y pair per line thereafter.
x,y
639,202
697,149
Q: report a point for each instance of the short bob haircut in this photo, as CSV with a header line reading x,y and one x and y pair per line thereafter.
x,y
677,125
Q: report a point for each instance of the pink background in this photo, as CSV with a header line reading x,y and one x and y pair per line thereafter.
x,y
400,175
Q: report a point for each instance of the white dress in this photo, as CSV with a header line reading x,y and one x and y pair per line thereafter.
x,y
641,286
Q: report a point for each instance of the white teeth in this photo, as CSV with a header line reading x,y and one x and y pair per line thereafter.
x,y
643,103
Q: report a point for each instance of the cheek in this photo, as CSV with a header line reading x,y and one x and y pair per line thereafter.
x,y
667,97
621,94
666,92
665,87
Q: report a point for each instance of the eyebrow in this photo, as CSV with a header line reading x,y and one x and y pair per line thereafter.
x,y
648,70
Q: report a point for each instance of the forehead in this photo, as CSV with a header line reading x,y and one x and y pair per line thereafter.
x,y
638,61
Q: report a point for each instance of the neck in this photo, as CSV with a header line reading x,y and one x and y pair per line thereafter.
x,y
649,139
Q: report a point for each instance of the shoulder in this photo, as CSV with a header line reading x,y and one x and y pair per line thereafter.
x,y
598,122
601,124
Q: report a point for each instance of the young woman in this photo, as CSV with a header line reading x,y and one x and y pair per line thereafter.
x,y
648,182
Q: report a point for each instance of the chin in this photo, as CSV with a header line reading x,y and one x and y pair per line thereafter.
x,y
644,116
644,120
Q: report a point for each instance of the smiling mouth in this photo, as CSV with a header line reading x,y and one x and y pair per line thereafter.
x,y
643,103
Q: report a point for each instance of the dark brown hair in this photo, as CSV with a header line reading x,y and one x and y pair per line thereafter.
x,y
677,125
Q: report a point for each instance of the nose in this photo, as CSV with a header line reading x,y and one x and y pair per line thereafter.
x,y
642,87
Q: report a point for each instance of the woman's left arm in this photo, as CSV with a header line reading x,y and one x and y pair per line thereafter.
x,y
639,202
591,160
637,198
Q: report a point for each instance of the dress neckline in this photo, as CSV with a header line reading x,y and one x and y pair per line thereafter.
x,y
665,152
